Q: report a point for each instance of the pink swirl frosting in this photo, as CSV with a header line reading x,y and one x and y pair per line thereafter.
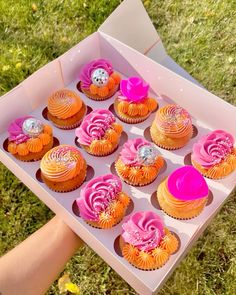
x,y
94,126
187,184
213,148
88,69
129,152
143,230
133,90
15,131
96,196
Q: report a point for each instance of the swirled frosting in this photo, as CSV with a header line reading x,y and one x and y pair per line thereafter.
x,y
94,126
133,152
133,90
143,230
96,196
173,121
187,184
87,71
61,163
213,148
64,104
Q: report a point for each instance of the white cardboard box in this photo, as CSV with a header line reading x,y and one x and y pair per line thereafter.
x,y
126,48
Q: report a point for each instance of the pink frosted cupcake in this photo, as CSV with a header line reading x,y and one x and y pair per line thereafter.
x,y
133,104
99,134
98,79
102,203
183,194
144,241
214,155
29,139
139,162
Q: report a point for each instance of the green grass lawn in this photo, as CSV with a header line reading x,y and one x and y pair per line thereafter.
x,y
200,36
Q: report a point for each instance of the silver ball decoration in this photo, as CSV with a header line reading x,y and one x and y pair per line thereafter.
x,y
147,155
32,127
100,77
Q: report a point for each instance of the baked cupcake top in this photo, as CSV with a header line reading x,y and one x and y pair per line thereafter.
x,y
144,230
64,104
138,151
213,148
173,121
97,196
133,90
94,126
62,163
28,133
187,184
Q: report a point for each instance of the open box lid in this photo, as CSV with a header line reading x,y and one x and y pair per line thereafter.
x,y
130,24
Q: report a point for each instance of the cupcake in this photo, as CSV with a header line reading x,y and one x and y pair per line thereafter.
x,y
139,162
63,168
98,80
102,204
183,195
99,134
66,109
133,104
29,139
172,127
144,241
214,156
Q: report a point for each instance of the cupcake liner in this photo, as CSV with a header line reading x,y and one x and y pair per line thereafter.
x,y
68,190
181,218
167,147
33,157
122,244
99,98
95,224
100,155
71,126
130,120
134,184
207,176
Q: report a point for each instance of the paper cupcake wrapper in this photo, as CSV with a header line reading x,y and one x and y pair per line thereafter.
x,y
99,98
165,147
73,126
73,188
130,120
101,155
94,225
35,156
135,184
207,176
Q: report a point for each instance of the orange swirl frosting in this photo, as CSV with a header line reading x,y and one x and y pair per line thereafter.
x,y
61,163
173,121
64,104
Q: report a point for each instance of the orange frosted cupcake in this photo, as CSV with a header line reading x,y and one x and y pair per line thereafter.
x,y
29,139
98,80
172,127
133,104
183,195
63,168
99,134
66,109
139,162
214,155
144,241
102,204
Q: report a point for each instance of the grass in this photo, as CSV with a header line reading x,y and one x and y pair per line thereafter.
x,y
200,36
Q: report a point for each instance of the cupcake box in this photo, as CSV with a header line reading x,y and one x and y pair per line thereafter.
x,y
143,56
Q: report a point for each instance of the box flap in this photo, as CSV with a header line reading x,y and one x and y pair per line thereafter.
x,y
130,24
